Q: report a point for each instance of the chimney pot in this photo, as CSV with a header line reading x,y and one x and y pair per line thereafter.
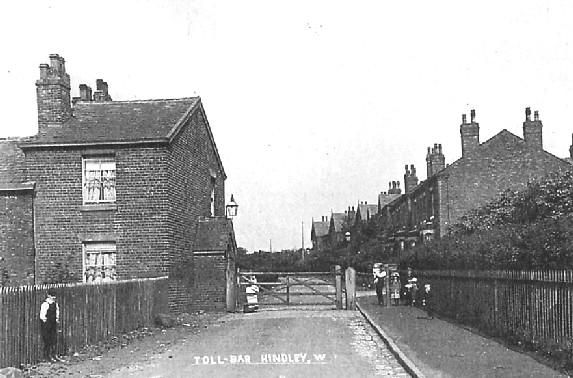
x,y
536,115
44,71
85,93
463,119
472,115
528,114
55,62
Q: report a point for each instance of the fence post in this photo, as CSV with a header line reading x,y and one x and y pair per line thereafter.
x,y
338,285
350,289
287,290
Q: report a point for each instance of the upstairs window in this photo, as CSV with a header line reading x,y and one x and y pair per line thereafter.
x,y
99,180
99,262
212,197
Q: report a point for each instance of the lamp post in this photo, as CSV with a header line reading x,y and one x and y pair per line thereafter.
x,y
231,208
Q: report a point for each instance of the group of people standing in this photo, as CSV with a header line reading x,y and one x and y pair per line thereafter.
x,y
405,292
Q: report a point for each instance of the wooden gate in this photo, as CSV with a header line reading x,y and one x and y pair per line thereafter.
x,y
292,288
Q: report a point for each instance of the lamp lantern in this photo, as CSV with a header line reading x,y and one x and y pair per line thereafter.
x,y
232,208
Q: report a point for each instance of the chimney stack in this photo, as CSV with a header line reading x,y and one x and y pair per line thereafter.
x,y
470,134
101,94
53,94
85,93
435,160
410,179
532,130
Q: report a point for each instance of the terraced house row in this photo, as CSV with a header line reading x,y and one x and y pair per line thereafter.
x,y
427,208
110,190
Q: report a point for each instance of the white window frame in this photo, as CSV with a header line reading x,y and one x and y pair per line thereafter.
x,y
101,194
103,266
213,184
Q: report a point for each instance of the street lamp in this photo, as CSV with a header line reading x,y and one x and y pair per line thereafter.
x,y
232,208
347,236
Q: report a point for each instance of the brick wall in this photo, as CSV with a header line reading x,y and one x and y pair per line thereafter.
x,y
210,284
504,162
474,181
192,167
17,245
138,224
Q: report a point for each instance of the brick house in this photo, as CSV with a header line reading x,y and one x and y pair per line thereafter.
x,y
365,211
16,209
338,226
484,171
116,189
319,234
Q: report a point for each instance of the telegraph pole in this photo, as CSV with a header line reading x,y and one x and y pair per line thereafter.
x,y
302,234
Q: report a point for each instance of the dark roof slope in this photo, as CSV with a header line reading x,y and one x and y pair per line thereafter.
x,y
12,159
320,228
119,121
497,146
366,210
338,220
214,234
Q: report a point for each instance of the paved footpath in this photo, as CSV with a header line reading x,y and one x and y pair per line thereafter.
x,y
277,343
440,349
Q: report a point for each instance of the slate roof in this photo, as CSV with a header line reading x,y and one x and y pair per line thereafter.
x,y
320,228
494,146
12,175
119,121
384,199
366,210
214,234
338,219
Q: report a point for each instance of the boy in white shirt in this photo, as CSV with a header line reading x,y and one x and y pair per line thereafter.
x,y
49,319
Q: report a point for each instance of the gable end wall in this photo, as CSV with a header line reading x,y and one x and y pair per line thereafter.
x,y
192,158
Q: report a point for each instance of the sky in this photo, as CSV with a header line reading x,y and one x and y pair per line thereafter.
x,y
314,105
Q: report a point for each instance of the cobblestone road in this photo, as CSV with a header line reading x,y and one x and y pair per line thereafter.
x,y
277,343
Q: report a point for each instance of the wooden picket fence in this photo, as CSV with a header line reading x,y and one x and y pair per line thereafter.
x,y
89,313
534,308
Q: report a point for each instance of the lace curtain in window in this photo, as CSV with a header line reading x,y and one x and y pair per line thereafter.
x,y
99,180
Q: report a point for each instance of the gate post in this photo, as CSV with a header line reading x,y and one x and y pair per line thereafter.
x,y
350,289
287,291
338,285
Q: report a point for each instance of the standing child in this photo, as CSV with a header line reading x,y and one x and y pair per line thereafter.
x,y
395,288
380,285
427,301
49,319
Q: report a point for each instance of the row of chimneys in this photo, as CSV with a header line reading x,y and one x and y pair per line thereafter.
x,y
53,93
532,132
100,95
